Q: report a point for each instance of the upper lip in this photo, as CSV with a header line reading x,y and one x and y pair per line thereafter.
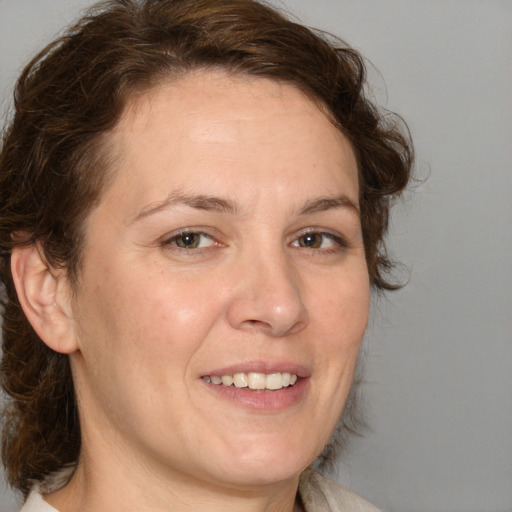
x,y
261,367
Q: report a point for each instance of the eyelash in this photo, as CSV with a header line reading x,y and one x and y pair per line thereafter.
x,y
338,241
170,241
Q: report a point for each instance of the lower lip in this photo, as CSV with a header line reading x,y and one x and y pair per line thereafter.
x,y
263,400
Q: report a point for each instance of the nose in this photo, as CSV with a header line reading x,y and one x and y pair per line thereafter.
x,y
267,297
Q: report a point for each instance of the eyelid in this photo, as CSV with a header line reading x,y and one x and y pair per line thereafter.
x,y
167,240
333,235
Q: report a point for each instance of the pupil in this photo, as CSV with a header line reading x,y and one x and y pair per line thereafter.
x,y
311,240
189,240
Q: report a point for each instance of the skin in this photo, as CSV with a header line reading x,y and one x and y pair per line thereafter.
x,y
149,318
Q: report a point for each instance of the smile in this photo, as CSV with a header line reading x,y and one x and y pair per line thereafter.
x,y
253,380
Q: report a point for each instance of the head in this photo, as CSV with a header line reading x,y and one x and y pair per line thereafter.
x,y
64,165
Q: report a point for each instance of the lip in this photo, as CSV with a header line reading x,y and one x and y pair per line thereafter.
x,y
264,401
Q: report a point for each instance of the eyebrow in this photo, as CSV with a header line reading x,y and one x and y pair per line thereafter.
x,y
200,202
222,205
323,204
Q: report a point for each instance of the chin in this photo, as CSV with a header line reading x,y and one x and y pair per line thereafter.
x,y
257,476
273,463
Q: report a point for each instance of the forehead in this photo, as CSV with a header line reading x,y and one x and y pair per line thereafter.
x,y
210,129
204,100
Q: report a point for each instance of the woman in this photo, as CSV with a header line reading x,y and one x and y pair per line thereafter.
x,y
194,200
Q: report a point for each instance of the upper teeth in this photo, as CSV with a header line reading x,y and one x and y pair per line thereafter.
x,y
253,380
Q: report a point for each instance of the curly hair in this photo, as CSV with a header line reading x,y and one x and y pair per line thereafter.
x,y
53,166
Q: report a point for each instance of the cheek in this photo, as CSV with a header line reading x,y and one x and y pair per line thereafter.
x,y
174,304
138,333
343,307
342,319
144,314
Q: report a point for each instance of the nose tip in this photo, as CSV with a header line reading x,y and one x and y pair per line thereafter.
x,y
269,301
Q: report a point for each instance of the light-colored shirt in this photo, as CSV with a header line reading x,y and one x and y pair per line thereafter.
x,y
35,503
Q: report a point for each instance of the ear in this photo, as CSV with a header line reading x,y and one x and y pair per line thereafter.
x,y
45,297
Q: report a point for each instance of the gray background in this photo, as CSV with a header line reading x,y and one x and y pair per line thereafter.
x,y
438,379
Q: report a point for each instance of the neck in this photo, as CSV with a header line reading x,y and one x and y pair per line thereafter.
x,y
112,489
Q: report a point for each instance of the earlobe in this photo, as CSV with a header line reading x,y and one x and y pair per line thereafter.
x,y
44,295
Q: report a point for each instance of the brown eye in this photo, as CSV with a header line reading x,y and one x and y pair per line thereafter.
x,y
311,240
191,240
187,240
324,241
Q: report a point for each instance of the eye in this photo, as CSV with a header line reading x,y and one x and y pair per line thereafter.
x,y
319,240
190,240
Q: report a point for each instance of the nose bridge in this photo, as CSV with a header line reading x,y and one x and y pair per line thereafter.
x,y
268,292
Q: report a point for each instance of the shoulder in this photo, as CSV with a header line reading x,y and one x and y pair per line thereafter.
x,y
320,494
35,503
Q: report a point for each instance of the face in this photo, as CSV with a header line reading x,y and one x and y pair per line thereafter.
x,y
227,248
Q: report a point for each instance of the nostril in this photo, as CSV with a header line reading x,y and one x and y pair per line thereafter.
x,y
258,324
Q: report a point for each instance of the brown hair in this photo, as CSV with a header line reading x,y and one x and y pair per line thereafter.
x,y
53,168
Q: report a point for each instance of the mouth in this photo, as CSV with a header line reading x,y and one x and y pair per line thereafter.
x,y
254,381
